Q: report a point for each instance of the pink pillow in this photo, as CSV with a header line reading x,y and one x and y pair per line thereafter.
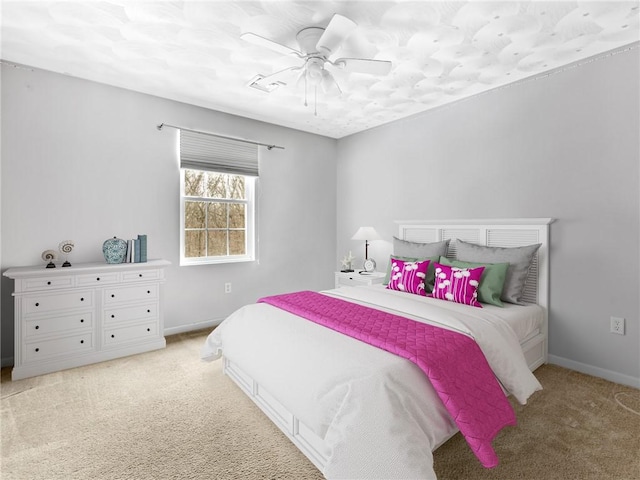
x,y
408,276
457,284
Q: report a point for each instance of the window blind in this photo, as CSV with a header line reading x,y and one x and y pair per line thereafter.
x,y
200,151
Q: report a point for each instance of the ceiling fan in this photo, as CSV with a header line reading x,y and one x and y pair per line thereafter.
x,y
316,47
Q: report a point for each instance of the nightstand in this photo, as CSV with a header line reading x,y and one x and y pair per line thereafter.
x,y
352,279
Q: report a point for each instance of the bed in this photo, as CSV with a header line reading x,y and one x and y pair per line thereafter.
x,y
357,411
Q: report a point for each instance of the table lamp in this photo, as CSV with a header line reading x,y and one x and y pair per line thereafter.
x,y
366,234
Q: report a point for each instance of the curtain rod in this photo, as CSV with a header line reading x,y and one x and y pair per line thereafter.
x,y
269,147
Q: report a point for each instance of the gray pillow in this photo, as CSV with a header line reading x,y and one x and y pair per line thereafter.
x,y
518,258
405,248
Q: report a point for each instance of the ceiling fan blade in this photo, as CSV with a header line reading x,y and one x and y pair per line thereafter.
x,y
338,29
281,77
270,44
363,65
271,82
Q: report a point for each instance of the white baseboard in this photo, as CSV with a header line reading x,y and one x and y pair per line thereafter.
x,y
193,326
595,371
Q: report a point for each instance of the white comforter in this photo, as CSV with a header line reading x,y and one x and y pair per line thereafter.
x,y
377,413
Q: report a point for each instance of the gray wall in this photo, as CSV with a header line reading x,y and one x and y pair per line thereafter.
x,y
84,161
565,146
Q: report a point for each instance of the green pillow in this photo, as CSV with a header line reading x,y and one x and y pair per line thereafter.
x,y
491,281
431,272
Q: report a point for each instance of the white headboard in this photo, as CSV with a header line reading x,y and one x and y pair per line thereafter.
x,y
512,232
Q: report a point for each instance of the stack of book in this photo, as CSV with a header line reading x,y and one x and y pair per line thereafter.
x,y
137,250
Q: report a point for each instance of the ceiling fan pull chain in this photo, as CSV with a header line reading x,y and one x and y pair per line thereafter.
x,y
315,101
305,89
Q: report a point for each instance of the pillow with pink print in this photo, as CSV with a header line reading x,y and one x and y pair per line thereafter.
x,y
457,284
408,276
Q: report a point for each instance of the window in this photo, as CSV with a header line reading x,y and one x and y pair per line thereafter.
x,y
217,211
218,215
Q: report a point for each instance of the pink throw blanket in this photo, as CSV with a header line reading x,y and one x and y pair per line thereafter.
x,y
453,362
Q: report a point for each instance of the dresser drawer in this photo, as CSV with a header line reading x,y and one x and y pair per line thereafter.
x,y
351,281
141,275
131,333
69,345
137,312
97,279
354,279
45,303
127,294
45,283
52,325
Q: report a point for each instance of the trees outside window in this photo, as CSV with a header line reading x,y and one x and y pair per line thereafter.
x,y
217,217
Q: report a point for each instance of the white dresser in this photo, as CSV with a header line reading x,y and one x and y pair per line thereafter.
x,y
87,313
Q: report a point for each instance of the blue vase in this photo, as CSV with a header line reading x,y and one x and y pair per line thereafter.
x,y
114,250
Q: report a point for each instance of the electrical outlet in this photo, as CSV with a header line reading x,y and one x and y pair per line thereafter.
x,y
227,288
617,325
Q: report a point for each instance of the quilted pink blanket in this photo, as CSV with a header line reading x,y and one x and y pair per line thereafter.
x,y
453,362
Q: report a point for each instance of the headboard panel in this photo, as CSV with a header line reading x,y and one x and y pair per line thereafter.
x,y
494,233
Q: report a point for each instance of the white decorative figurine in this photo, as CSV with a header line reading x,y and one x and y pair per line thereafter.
x,y
65,248
49,256
346,263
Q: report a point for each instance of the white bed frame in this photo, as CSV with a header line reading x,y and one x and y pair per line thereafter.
x,y
494,233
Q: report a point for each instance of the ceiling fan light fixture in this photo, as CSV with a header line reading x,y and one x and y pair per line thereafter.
x,y
329,84
315,70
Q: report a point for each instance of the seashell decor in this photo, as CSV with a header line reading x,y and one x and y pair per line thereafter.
x,y
66,247
50,256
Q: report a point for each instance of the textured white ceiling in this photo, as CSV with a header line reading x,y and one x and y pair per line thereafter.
x,y
191,51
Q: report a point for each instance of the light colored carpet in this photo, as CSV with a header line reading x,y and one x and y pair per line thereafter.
x,y
167,415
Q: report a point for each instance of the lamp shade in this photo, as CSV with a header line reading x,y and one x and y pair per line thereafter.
x,y
366,233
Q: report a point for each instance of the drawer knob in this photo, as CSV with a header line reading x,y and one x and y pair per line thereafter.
x,y
37,327
148,329
113,336
148,291
82,299
113,295
148,311
37,304
37,349
98,279
113,316
140,275
48,283
82,320
81,341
